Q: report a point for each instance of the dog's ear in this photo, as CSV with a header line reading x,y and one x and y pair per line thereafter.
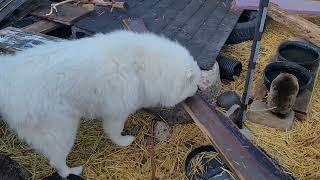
x,y
189,73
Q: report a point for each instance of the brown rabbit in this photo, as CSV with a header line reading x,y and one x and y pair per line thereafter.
x,y
283,92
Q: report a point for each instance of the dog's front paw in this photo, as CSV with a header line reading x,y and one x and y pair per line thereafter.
x,y
124,140
76,170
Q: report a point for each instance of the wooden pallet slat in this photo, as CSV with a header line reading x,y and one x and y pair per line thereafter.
x,y
142,8
186,32
182,18
156,11
167,16
67,14
200,38
208,55
42,26
291,6
195,24
26,8
8,6
100,21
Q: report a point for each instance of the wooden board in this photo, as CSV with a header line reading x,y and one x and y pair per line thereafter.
x,y
100,21
292,6
42,26
296,24
136,24
258,114
245,160
8,6
13,39
242,157
67,14
201,26
25,22
25,9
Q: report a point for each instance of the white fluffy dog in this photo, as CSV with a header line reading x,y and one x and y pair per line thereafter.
x,y
45,90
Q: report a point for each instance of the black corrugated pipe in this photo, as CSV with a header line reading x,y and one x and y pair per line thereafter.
x,y
229,67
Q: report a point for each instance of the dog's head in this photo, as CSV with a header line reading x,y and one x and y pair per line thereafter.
x,y
183,76
168,71
184,84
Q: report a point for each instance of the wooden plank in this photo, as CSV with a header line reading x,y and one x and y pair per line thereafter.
x,y
101,21
42,26
259,115
167,16
182,18
151,15
296,24
210,52
67,13
206,30
26,8
13,39
291,6
135,24
141,8
245,160
8,6
133,3
186,32
25,22
195,24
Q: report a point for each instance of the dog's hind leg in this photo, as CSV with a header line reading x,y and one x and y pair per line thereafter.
x,y
54,138
113,128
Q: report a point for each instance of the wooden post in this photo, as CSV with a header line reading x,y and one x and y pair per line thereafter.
x,y
296,24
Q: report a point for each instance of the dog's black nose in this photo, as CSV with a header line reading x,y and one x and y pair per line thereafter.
x,y
56,176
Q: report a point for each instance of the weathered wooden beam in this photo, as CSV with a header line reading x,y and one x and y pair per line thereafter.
x,y
242,157
245,160
42,26
296,24
292,6
67,13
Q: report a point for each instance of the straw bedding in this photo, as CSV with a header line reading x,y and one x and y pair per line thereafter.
x,y
298,150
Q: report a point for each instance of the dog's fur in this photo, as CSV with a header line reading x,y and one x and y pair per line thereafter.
x,y
45,90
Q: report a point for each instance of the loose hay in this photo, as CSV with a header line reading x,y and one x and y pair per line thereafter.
x,y
298,150
104,160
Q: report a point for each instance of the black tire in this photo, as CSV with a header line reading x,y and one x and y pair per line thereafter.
x,y
245,28
213,168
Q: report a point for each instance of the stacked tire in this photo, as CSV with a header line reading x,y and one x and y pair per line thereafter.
x,y
245,28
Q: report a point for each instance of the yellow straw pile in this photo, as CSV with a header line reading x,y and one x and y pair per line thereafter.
x,y
298,150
